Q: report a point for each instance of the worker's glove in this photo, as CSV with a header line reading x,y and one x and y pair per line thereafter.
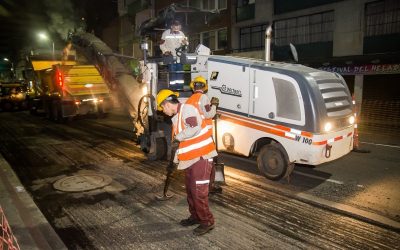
x,y
167,53
214,101
176,161
174,143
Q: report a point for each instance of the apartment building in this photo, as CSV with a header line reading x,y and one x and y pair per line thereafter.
x,y
359,39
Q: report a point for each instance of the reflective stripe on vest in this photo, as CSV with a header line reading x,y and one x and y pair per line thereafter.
x,y
173,37
194,147
195,101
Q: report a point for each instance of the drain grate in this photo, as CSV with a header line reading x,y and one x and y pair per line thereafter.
x,y
82,182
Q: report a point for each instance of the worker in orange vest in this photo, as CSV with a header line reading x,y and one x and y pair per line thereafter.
x,y
194,155
207,110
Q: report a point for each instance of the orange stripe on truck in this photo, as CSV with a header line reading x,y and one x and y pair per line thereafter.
x,y
278,130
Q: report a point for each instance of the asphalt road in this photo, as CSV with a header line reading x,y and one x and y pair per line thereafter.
x,y
252,212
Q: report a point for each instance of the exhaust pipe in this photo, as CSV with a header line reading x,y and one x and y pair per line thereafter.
x,y
268,35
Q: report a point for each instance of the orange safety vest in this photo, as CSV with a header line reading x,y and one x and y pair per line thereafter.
x,y
194,147
195,101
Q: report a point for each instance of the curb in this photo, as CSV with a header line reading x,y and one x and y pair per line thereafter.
x,y
28,224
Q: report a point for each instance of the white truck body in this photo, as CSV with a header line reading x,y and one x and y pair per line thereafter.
x,y
283,113
288,103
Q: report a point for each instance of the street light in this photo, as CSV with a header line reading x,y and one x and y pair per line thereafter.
x,y
44,37
12,65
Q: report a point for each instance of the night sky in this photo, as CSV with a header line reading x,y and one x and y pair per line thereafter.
x,y
22,20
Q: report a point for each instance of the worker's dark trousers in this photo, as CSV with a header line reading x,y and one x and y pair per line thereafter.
x,y
212,177
176,80
197,179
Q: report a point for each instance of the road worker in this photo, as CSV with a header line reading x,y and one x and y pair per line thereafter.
x,y
194,155
171,40
207,111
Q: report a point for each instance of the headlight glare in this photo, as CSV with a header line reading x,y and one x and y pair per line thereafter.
x,y
352,119
328,127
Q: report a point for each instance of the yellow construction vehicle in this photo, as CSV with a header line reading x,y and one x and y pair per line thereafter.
x,y
65,89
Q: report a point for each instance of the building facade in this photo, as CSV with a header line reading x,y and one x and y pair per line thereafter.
x,y
359,39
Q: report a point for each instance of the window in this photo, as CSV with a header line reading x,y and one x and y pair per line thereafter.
x,y
195,3
222,39
194,40
382,18
221,4
215,39
208,39
287,100
304,29
252,37
213,4
245,10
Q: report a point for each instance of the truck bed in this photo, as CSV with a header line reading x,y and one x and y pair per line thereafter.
x,y
83,80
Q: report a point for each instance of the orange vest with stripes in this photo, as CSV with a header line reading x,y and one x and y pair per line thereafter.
x,y
194,147
195,101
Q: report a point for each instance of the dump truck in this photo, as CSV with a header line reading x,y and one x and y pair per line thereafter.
x,y
65,89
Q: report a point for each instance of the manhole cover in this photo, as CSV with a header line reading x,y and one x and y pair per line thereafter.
x,y
82,182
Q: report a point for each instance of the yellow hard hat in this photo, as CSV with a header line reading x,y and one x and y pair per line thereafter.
x,y
163,95
199,79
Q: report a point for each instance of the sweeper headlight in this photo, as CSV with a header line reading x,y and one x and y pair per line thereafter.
x,y
328,127
352,120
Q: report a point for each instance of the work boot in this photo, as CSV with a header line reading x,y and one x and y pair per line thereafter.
x,y
215,190
189,222
202,229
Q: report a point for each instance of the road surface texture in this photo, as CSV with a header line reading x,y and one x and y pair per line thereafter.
x,y
126,215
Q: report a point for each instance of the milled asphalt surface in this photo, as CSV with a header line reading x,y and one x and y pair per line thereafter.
x,y
33,231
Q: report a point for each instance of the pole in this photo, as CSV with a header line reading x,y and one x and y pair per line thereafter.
x,y
53,47
268,33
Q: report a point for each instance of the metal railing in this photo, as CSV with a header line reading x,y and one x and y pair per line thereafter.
x,y
7,239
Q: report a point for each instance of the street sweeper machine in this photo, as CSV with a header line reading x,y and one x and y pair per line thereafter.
x,y
281,113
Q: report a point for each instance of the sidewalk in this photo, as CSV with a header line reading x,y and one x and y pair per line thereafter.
x,y
29,226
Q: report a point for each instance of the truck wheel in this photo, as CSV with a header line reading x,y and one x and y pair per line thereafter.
x,y
48,109
55,111
32,107
143,111
272,161
101,113
33,111
7,106
58,115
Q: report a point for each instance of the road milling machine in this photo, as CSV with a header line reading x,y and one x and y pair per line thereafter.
x,y
280,113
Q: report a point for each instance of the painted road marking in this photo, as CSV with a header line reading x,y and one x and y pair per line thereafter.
x,y
296,172
383,145
318,177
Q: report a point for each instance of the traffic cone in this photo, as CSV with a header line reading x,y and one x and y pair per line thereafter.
x,y
356,142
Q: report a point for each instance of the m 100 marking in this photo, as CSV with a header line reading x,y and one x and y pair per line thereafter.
x,y
305,140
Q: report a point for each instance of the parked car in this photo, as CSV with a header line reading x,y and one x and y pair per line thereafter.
x,y
12,96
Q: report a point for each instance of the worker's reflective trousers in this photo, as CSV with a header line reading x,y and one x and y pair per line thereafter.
x,y
197,179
